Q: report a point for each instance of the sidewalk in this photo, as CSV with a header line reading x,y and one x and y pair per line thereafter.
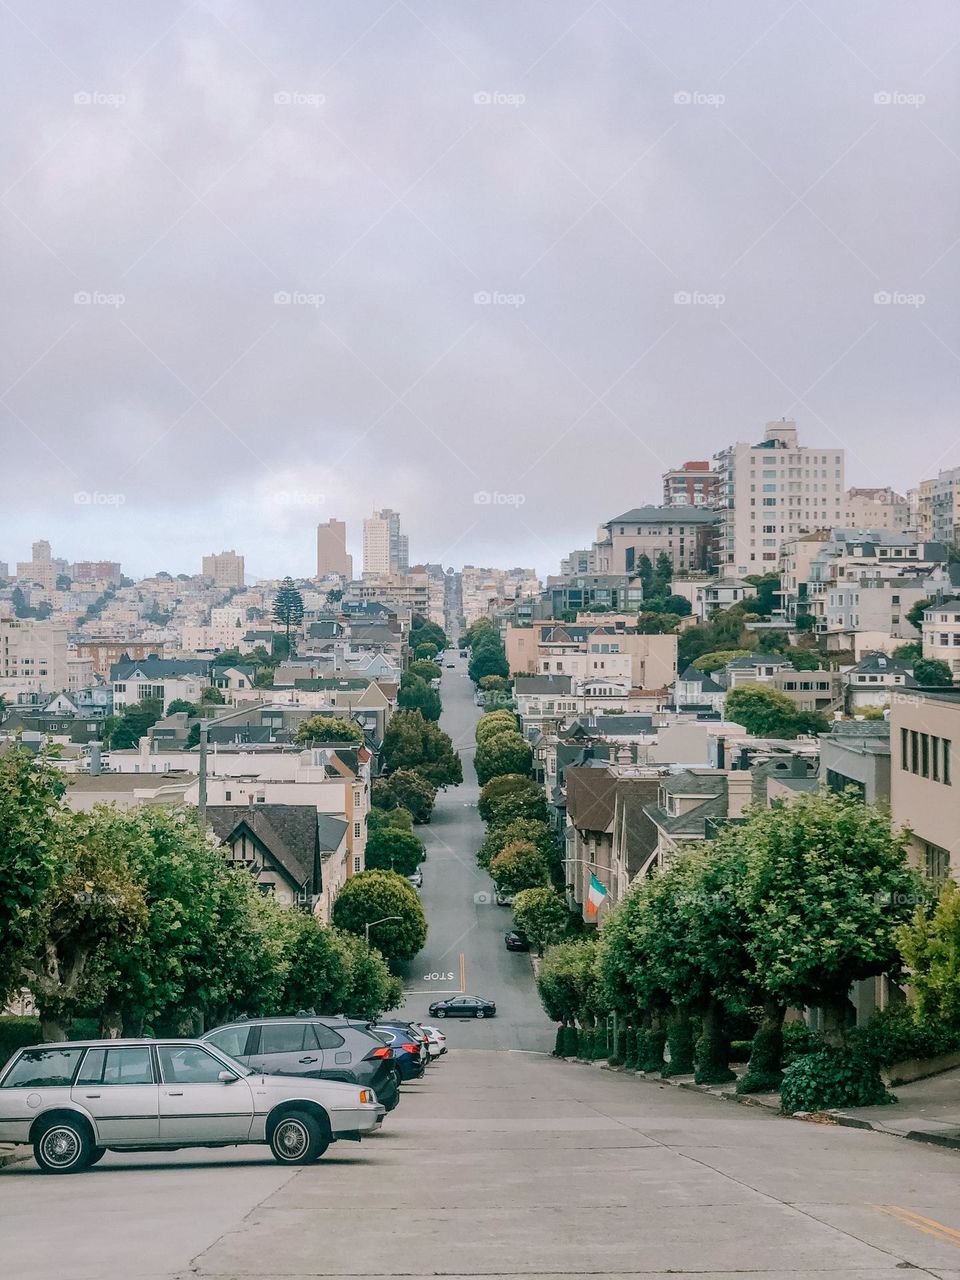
x,y
925,1111
11,1154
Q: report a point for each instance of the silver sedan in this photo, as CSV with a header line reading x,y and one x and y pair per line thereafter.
x,y
76,1100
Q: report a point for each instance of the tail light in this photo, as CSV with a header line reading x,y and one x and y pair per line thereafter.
x,y
384,1052
409,1048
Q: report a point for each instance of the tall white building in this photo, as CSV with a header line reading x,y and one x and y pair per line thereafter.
x,y
224,569
42,569
385,548
33,656
773,491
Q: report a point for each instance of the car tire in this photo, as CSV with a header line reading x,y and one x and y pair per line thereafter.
x,y
98,1154
441,1013
298,1138
64,1145
394,1103
480,1013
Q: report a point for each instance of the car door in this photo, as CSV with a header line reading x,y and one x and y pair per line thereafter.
x,y
287,1049
196,1106
462,1007
338,1051
119,1089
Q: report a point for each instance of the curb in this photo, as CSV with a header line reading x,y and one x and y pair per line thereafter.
x,y
13,1155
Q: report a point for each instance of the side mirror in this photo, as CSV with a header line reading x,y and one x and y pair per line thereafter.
x,y
227,1077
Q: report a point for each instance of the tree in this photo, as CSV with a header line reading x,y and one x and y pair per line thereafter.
x,y
487,658
931,948
710,662
679,605
803,660
824,891
422,631
411,742
390,849
476,630
392,819
519,865
769,713
495,684
30,844
374,895
909,651
406,789
768,592
416,695
933,672
656,624
371,988
64,582
500,753
288,608
128,728
512,796
426,651
212,696
179,705
426,670
320,729
318,969
523,829
334,596
645,572
494,722
567,982
662,574
542,915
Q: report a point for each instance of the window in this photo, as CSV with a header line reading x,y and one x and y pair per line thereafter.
x,y
914,751
357,830
326,1037
356,864
286,1037
357,797
925,755
231,1040
188,1064
936,862
946,761
44,1068
117,1066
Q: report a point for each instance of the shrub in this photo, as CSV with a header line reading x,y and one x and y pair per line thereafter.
x,y
681,1038
763,1074
799,1040
895,1034
650,1045
558,1043
571,1041
832,1078
15,1032
585,1045
630,1049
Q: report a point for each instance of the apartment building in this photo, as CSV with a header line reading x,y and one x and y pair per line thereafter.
x,y
941,634
877,680
856,754
685,534
105,654
409,591
924,745
692,485
42,568
385,549
483,590
106,572
223,569
33,656
773,491
621,592
709,594
876,509
591,649
333,559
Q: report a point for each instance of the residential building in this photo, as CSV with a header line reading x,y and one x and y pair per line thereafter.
x,y
482,591
593,649
876,680
709,594
692,485
166,679
943,498
408,591
876,509
96,571
579,563
924,745
4,571
685,534
333,559
33,656
941,634
107,653
694,689
773,491
385,548
690,802
618,591
223,569
42,568
856,753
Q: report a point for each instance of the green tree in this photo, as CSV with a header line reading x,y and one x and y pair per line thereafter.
x,y
931,949
767,586
501,753
374,895
567,981
426,670
481,628
767,713
495,684
933,672
804,660
416,695
494,722
390,849
181,705
650,623
392,819
542,915
423,631
320,729
288,608
426,651
910,651
824,891
30,843
371,988
679,605
406,789
487,659
128,728
710,662
525,829
411,742
504,804
318,969
519,865
263,679
645,572
212,696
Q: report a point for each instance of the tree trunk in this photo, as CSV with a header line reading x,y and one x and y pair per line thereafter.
x,y
763,1074
111,1024
52,1027
713,1047
835,1021
680,1040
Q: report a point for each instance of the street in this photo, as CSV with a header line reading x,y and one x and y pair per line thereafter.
x,y
503,1161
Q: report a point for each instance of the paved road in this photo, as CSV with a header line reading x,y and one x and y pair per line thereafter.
x,y
502,1163
466,927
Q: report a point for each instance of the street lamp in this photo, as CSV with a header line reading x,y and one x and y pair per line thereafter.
x,y
382,920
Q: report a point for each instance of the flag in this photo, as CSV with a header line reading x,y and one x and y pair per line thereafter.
x,y
595,896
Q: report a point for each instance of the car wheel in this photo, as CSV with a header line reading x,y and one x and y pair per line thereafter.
x,y
441,1013
394,1102
480,1013
298,1138
63,1146
98,1154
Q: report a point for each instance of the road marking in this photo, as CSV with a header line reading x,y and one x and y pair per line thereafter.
x,y
463,975
929,1226
410,991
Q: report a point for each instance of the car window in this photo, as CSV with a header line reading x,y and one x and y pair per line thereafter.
x,y
232,1040
189,1064
47,1067
283,1037
327,1038
117,1066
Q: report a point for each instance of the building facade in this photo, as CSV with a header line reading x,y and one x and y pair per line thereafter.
x,y
223,569
692,485
332,555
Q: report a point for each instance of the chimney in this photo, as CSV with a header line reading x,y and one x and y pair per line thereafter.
x,y
96,768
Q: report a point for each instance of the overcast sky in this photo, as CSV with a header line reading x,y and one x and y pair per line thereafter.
x,y
385,164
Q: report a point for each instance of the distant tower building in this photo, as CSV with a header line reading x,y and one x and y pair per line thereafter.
x,y
692,485
224,569
385,548
332,555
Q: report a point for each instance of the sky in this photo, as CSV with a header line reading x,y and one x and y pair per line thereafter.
x,y
495,264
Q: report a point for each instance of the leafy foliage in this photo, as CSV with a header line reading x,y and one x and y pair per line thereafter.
x,y
770,714
933,672
373,895
831,1077
406,789
288,608
710,662
411,742
501,753
321,729
518,866
128,728
542,915
566,981
416,695
512,796
931,948
390,849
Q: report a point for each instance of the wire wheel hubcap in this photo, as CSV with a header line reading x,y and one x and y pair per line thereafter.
x,y
60,1147
292,1139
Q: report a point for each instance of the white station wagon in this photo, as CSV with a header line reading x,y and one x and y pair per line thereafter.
x,y
76,1100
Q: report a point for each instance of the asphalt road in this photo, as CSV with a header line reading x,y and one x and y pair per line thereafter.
x,y
464,949
503,1163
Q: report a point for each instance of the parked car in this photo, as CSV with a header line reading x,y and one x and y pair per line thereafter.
x,y
322,1048
437,1045
76,1100
451,664
416,879
463,653
463,1007
504,899
516,940
410,1054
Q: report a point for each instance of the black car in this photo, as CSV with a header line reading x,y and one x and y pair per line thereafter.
x,y
307,1045
516,940
409,1044
463,1007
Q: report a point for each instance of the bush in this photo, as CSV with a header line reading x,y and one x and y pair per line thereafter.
x,y
571,1041
630,1049
895,1034
799,1040
558,1043
15,1032
767,1048
585,1044
832,1078
681,1037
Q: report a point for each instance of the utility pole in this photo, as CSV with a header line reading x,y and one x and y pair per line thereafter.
x,y
202,780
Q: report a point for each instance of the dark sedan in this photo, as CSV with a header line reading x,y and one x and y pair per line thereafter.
x,y
516,940
463,1007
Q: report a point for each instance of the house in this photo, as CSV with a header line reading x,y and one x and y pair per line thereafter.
x,y
688,804
166,679
875,680
696,689
708,594
856,753
925,750
941,634
233,678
